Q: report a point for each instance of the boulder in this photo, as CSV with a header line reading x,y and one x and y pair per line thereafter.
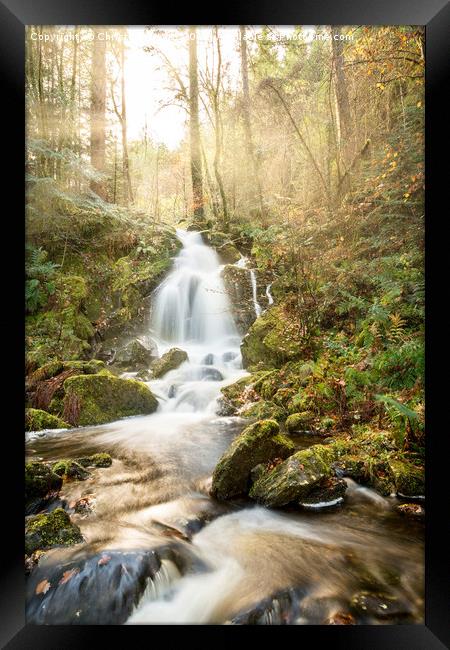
x,y
409,480
294,479
50,529
238,285
37,420
228,253
70,469
412,510
39,481
135,356
96,399
258,443
263,410
329,492
241,392
300,422
169,361
96,460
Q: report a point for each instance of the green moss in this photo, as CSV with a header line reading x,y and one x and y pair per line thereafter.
x,y
39,481
70,469
409,480
263,410
298,422
295,478
97,460
52,529
258,443
169,361
37,420
99,398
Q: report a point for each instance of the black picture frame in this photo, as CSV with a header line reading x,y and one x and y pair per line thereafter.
x,y
14,15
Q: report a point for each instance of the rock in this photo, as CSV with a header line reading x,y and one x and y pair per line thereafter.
x,y
238,285
211,374
341,618
37,420
413,510
278,609
243,391
263,411
354,467
95,399
228,253
169,361
84,505
70,469
229,356
96,460
52,529
300,422
294,479
258,443
409,480
330,491
144,375
40,480
208,360
378,605
135,356
267,344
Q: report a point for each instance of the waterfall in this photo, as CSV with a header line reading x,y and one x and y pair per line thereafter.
x,y
243,263
191,310
269,295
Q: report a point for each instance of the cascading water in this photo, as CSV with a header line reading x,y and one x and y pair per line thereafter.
x,y
243,263
156,538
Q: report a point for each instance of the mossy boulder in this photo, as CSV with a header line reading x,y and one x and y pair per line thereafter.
x,y
96,460
241,392
169,361
52,529
355,467
258,443
238,285
300,422
271,340
70,469
135,356
328,491
263,410
40,480
228,253
37,420
100,398
409,480
292,480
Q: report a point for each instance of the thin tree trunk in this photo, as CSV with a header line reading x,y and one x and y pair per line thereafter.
x,y
196,161
98,107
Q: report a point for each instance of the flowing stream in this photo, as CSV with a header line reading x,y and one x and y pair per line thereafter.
x,y
160,550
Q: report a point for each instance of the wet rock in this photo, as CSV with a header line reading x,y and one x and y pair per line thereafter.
x,y
228,253
263,410
329,492
211,374
31,561
40,480
144,375
354,467
258,443
96,399
229,356
172,391
99,590
70,469
341,618
412,510
37,420
52,529
235,396
238,284
84,505
169,361
280,609
135,356
379,605
295,478
208,360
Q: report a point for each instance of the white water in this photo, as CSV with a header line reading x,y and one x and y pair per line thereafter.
x,y
243,263
269,295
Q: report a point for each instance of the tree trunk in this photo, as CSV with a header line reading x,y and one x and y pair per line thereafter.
x,y
98,106
196,161
342,101
125,159
251,157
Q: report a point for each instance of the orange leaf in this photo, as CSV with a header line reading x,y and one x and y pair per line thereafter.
x,y
43,587
67,575
104,560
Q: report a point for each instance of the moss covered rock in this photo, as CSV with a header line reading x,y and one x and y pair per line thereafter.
x,y
292,480
96,460
238,285
70,469
37,420
169,361
300,422
271,340
328,491
100,398
258,443
40,480
409,480
135,356
263,410
52,529
241,392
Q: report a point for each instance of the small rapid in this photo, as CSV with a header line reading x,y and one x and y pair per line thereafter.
x,y
160,550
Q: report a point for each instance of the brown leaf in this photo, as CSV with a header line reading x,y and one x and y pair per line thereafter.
x,y
43,587
67,575
104,560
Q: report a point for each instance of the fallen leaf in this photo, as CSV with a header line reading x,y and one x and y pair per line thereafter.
x,y
104,560
67,575
43,587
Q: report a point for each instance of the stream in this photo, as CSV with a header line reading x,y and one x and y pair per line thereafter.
x,y
160,550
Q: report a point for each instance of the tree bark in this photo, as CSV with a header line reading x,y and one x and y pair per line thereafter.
x,y
196,161
342,101
98,107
